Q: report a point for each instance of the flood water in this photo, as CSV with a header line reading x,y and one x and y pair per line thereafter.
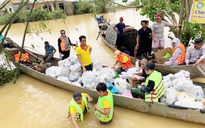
x,y
33,104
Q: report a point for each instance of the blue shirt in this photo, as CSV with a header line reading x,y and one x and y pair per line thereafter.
x,y
120,28
49,50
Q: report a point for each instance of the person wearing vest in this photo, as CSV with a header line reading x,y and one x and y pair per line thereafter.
x,y
104,109
24,57
83,53
178,53
50,51
78,107
64,45
124,60
153,88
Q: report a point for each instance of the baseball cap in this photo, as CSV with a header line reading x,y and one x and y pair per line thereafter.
x,y
121,19
149,66
198,41
77,96
158,15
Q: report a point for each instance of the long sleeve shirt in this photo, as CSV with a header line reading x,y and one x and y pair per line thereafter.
x,y
175,55
149,87
192,54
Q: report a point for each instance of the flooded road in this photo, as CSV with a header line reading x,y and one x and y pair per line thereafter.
x,y
33,104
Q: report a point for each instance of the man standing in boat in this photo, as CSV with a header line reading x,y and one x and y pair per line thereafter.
x,y
196,53
158,32
83,53
104,109
143,39
64,45
119,28
50,51
153,88
78,107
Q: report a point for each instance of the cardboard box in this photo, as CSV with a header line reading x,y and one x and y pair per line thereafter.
x,y
160,54
133,83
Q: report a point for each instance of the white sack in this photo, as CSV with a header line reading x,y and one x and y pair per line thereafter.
x,y
64,71
53,71
74,76
89,80
97,66
170,96
122,85
7,65
63,78
75,68
199,92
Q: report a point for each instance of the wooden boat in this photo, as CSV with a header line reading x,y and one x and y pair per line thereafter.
x,y
159,109
195,71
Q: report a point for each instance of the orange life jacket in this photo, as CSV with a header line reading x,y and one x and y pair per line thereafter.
x,y
63,45
181,57
24,57
125,65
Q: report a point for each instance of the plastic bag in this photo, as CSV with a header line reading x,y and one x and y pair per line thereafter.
x,y
170,96
112,88
187,100
199,92
127,93
97,66
183,73
63,78
75,68
106,75
64,71
188,87
6,64
89,80
53,71
121,85
73,76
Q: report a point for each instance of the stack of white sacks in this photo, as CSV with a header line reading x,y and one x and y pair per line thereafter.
x,y
4,63
181,91
69,70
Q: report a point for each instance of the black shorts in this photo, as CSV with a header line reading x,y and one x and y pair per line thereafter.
x,y
89,67
106,123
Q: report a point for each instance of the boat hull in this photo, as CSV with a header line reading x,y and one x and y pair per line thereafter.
x,y
158,109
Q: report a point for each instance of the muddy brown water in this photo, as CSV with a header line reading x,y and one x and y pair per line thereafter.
x,y
33,104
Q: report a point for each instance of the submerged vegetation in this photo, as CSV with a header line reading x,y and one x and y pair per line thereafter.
x,y
8,75
37,15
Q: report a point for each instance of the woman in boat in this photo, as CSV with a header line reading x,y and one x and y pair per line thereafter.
x,y
153,88
78,107
178,53
124,60
141,72
64,45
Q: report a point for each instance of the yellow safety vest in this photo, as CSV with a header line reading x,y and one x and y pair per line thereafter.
x,y
158,89
100,116
79,112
